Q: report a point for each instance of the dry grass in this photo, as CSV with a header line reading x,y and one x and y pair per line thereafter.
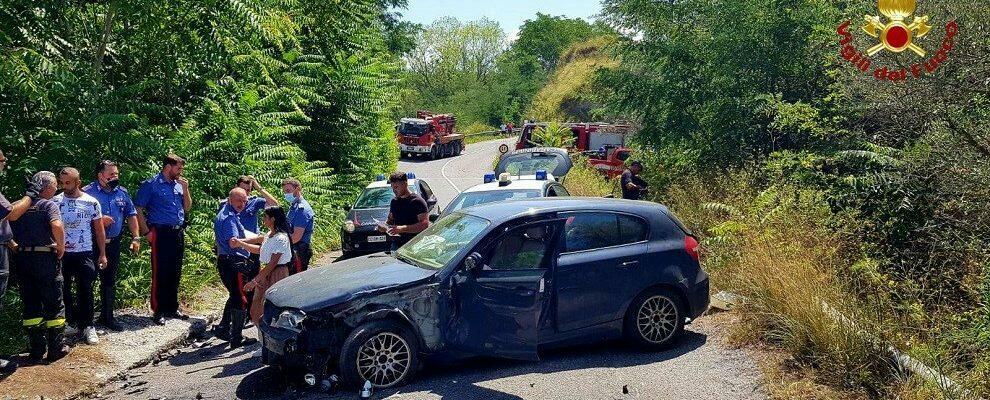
x,y
582,180
572,80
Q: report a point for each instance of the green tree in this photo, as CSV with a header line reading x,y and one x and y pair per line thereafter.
x,y
546,37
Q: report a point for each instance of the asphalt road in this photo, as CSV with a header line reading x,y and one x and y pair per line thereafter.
x,y
702,366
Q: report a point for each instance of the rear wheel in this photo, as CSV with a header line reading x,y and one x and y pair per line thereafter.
x,y
435,152
655,319
383,352
458,147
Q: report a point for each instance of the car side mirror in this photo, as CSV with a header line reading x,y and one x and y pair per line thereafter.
x,y
347,207
473,261
432,201
434,217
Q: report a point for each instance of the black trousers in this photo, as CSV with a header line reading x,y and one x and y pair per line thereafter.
x,y
167,250
301,254
79,273
39,275
108,281
234,273
4,272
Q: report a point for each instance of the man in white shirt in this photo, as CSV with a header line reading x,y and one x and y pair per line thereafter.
x,y
83,222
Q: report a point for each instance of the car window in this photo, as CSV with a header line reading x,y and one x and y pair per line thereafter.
x,y
469,199
586,231
439,243
523,248
551,192
632,229
622,156
557,191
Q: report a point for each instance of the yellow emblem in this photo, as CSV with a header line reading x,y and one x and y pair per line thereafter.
x,y
897,35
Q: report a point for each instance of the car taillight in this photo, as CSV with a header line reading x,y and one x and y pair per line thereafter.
x,y
692,247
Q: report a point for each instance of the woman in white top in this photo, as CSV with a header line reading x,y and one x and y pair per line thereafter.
x,y
275,251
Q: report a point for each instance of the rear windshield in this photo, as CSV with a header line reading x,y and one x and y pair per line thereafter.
x,y
465,200
413,129
377,197
529,163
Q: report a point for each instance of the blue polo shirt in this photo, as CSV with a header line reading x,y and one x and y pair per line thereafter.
x,y
115,203
249,217
162,200
227,225
302,215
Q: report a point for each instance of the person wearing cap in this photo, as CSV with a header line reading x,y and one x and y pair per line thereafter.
x,y
9,212
116,206
162,203
408,213
632,185
302,220
40,237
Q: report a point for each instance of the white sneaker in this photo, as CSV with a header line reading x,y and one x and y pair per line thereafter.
x,y
90,334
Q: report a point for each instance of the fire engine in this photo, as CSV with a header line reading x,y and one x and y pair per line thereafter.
x,y
429,134
602,143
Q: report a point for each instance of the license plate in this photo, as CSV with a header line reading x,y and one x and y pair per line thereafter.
x,y
376,239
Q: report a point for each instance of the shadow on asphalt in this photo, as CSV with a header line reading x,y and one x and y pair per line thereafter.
x,y
462,380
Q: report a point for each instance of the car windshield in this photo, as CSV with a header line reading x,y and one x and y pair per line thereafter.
x,y
469,199
438,244
413,129
528,165
378,197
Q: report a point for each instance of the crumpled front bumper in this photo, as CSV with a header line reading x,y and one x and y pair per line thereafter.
x,y
310,351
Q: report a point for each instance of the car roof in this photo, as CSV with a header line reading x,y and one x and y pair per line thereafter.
x,y
382,184
505,210
524,182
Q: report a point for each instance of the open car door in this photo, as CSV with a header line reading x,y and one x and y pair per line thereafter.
x,y
501,299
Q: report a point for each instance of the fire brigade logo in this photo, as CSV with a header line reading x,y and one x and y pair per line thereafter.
x,y
896,35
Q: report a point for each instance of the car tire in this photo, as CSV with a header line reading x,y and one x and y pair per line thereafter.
x,y
655,319
458,148
434,152
381,342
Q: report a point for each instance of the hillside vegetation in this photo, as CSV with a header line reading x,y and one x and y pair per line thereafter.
x,y
570,94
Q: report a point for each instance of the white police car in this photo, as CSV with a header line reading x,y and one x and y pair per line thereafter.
x,y
358,233
508,187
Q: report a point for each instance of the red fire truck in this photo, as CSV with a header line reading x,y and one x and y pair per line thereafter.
x,y
602,143
429,134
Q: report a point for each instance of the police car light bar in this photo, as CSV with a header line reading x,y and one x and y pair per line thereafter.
x,y
490,177
380,177
541,174
410,175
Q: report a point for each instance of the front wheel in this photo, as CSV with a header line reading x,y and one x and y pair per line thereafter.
x,y
655,319
383,352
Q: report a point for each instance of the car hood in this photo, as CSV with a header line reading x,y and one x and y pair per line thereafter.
x,y
340,282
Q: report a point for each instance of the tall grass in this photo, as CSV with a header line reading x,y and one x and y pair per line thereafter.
x,y
583,180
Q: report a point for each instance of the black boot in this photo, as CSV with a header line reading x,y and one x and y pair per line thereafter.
x,y
36,339
237,339
56,344
222,329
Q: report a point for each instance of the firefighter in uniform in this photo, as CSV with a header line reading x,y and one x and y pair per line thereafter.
x,y
162,203
9,212
40,236
235,269
301,222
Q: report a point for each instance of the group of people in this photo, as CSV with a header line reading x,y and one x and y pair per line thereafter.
x,y
62,242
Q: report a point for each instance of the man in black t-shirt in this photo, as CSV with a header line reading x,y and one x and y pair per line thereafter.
x,y
408,213
632,185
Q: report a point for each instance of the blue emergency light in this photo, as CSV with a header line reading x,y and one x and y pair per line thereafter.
x,y
380,177
541,174
410,175
490,177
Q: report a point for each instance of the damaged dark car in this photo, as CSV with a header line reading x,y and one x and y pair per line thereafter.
x,y
503,280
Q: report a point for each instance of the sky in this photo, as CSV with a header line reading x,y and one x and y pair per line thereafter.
x,y
510,14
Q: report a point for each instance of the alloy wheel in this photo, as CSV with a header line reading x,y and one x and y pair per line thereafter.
x,y
384,359
657,319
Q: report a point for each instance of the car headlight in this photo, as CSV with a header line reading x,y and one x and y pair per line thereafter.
x,y
349,226
291,320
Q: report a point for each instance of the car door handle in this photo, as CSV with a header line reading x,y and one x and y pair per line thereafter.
x,y
628,264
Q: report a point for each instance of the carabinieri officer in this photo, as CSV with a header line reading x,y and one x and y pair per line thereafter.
x,y
117,206
301,221
162,203
235,268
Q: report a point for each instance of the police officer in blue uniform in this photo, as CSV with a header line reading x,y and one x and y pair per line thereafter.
x,y
255,205
162,203
117,207
9,212
235,269
301,221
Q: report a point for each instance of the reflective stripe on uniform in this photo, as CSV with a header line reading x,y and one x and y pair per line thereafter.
x,y
33,322
55,323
